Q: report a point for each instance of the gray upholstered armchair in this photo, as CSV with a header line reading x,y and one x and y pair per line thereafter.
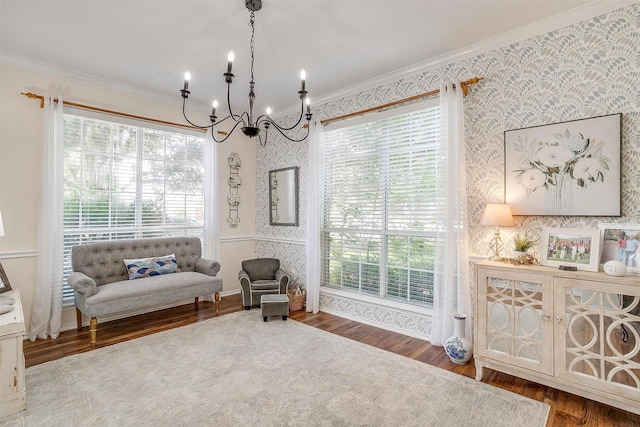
x,y
261,276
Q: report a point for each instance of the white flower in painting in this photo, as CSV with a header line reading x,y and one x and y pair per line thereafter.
x,y
576,143
532,179
586,168
551,163
554,155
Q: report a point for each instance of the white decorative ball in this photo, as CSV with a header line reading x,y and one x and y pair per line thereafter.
x,y
615,268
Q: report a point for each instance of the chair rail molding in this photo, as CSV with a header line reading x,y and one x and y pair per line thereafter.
x,y
280,240
19,254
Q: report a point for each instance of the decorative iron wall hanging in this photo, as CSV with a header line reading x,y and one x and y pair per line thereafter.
x,y
234,182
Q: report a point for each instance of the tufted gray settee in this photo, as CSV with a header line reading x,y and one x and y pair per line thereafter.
x,y
101,282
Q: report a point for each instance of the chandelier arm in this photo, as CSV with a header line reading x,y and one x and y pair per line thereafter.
x,y
235,117
283,128
279,127
220,121
266,137
184,113
291,139
226,136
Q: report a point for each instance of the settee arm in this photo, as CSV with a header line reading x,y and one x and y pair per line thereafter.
x,y
283,278
207,266
82,284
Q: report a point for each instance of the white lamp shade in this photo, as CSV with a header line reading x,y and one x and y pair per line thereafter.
x,y
1,226
497,214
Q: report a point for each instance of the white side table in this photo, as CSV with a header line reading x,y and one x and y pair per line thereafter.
x,y
13,396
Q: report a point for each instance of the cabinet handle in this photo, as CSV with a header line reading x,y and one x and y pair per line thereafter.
x,y
559,319
546,317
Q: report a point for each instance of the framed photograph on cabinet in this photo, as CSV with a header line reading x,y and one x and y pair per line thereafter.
x,y
620,242
5,286
568,168
578,247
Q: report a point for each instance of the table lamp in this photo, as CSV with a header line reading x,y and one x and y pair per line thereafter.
x,y
497,215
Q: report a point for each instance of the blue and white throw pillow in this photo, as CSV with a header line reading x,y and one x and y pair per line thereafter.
x,y
155,266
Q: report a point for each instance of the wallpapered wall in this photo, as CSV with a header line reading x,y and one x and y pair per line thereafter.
x,y
583,70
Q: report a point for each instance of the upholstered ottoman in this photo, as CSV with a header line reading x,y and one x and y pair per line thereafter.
x,y
274,305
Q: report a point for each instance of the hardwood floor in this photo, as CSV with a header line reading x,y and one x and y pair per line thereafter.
x,y
566,409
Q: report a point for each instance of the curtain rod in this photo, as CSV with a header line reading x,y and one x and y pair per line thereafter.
x,y
465,91
115,113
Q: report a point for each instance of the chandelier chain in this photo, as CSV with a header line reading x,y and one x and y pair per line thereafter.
x,y
252,21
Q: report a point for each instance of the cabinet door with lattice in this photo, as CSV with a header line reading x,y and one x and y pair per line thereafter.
x,y
514,310
598,336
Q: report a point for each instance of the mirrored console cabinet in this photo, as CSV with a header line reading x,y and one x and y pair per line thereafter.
x,y
574,331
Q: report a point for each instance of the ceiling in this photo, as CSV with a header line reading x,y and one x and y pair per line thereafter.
x,y
148,45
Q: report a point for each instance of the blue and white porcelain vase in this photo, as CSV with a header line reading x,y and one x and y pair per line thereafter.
x,y
458,347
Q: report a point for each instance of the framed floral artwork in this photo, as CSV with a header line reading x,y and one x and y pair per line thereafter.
x,y
621,242
578,247
568,168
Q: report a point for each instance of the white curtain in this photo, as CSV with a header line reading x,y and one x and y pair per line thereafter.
x,y
47,305
211,202
451,278
314,219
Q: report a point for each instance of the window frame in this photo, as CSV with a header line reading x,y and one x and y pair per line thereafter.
x,y
72,235
382,296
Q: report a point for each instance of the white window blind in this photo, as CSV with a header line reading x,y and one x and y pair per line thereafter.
x,y
379,218
128,179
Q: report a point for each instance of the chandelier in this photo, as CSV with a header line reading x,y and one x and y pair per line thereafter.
x,y
251,126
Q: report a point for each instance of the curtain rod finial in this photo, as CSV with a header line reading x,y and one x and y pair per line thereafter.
x,y
465,89
34,96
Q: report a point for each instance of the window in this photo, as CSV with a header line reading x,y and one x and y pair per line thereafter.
x,y
129,179
379,221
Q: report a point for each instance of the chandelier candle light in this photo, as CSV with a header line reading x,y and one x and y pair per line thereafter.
x,y
498,215
251,126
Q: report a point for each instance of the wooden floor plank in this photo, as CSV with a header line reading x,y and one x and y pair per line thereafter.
x,y
566,409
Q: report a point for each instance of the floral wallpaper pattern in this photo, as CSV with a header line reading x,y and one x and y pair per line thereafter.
x,y
587,69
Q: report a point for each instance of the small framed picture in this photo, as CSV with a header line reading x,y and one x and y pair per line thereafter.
x,y
620,242
579,247
5,286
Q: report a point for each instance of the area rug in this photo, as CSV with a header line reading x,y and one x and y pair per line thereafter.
x,y
236,370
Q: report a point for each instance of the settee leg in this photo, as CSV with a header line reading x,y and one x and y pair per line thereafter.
x,y
93,328
79,318
196,302
217,299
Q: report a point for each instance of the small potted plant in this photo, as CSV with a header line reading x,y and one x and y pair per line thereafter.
x,y
523,244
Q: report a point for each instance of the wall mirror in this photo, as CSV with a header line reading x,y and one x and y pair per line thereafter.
x,y
283,196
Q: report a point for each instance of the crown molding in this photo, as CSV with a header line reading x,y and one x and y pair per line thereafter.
x,y
552,23
85,78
